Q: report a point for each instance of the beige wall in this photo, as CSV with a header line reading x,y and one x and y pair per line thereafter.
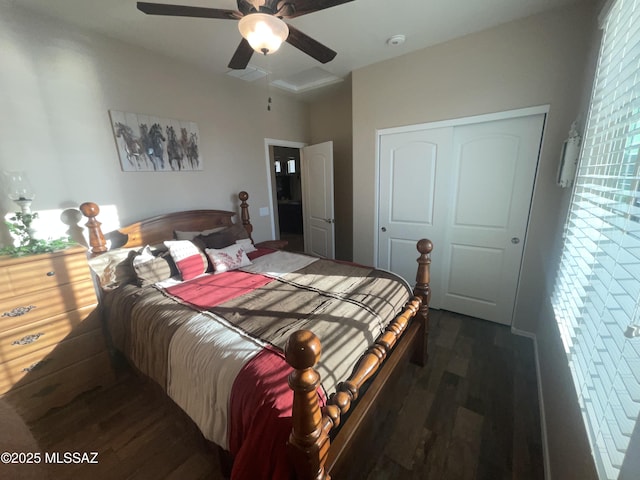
x,y
569,452
568,449
57,85
331,119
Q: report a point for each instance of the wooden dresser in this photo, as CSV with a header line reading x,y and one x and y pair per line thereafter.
x,y
52,346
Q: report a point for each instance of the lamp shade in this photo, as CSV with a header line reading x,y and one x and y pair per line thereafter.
x,y
265,33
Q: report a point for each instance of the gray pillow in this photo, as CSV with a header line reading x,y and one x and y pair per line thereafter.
x,y
156,269
221,239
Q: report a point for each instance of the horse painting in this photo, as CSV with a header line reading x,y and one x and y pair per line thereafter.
x,y
175,151
133,147
158,144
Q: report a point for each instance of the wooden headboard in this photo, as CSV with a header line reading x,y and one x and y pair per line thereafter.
x,y
157,229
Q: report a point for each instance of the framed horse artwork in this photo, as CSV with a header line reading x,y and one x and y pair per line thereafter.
x,y
147,143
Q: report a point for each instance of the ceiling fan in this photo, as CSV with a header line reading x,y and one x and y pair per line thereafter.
x,y
259,17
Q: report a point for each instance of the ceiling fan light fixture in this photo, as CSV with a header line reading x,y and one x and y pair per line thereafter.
x,y
265,33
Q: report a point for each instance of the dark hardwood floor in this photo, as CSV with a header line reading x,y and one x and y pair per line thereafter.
x,y
472,413
296,241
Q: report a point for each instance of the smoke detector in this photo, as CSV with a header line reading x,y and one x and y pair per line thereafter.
x,y
396,40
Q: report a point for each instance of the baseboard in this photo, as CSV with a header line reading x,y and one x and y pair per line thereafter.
x,y
543,421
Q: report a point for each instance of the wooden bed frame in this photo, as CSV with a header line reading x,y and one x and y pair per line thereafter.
x,y
317,452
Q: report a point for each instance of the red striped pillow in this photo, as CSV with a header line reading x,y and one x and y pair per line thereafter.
x,y
190,261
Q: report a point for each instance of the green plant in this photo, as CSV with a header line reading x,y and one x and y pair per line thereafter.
x,y
19,226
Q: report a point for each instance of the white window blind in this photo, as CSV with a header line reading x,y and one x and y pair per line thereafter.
x,y
597,294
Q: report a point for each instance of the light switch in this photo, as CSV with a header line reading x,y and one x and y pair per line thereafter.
x,y
264,211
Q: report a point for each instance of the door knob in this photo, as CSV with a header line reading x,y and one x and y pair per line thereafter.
x,y
384,229
515,240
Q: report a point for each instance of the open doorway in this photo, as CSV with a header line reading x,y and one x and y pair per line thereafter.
x,y
286,192
307,187
286,167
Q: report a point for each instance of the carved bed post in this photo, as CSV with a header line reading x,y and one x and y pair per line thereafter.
x,y
308,442
96,238
244,213
423,290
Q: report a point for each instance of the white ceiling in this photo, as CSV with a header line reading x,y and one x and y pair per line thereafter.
x,y
357,30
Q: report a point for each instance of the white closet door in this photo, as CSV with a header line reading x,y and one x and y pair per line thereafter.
x,y
494,167
413,165
467,188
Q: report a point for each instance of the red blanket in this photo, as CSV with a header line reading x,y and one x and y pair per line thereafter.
x,y
260,418
209,291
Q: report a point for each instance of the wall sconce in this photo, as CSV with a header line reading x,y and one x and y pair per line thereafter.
x,y
569,158
19,190
632,331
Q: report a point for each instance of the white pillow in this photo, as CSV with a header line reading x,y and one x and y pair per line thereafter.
x,y
228,258
247,245
144,255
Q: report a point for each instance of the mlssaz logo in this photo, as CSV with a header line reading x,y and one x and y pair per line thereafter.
x,y
71,457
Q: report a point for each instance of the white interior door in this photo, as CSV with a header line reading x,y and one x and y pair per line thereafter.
x,y
494,166
467,188
317,204
413,165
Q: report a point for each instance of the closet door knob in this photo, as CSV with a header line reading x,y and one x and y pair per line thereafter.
x,y
384,229
515,240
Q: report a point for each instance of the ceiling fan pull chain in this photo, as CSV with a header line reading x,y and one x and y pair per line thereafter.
x,y
268,80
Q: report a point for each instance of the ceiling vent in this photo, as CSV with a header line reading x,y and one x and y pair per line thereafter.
x,y
307,80
248,74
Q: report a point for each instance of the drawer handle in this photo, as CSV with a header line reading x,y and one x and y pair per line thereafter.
x,y
28,339
18,311
33,366
50,274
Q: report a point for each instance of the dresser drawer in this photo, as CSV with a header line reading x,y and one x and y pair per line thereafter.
x,y
37,272
25,339
43,362
34,399
35,306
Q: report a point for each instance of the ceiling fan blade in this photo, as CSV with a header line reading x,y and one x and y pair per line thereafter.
x,y
302,7
246,7
271,4
186,11
310,46
241,57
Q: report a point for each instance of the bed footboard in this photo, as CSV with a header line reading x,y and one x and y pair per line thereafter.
x,y
312,454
